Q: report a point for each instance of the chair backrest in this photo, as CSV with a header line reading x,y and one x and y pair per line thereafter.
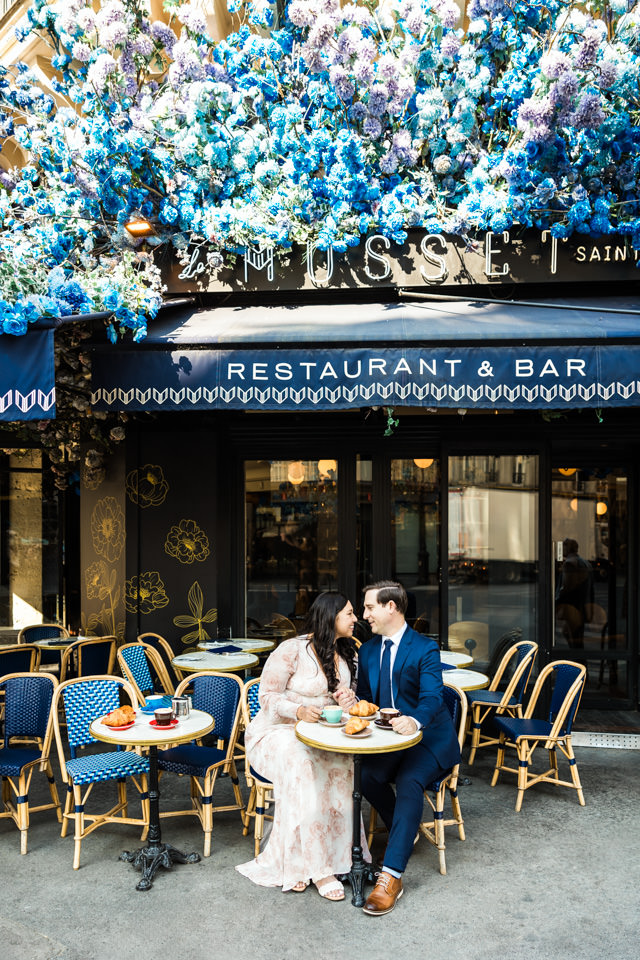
x,y
140,663
85,699
41,631
19,659
163,648
469,636
218,694
250,701
504,644
456,703
284,624
27,705
568,680
520,658
95,656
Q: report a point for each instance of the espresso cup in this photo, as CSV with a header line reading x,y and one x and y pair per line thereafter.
x,y
332,714
164,716
387,714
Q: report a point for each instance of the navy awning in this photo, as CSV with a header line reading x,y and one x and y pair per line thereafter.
x,y
475,354
27,377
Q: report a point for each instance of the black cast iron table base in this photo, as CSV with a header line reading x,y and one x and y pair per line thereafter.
x,y
149,859
360,869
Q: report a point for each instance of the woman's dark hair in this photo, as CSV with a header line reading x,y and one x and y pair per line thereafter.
x,y
321,625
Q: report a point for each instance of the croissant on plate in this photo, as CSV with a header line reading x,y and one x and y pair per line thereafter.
x,y
357,725
363,709
120,717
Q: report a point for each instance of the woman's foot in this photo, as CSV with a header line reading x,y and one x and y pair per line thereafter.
x,y
330,888
300,886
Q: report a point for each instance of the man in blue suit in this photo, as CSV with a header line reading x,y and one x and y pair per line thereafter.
x,y
403,672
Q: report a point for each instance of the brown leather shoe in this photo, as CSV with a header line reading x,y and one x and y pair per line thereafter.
x,y
382,900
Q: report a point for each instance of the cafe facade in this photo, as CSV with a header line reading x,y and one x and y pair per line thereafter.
x,y
457,415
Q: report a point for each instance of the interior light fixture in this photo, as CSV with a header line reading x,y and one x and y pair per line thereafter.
x,y
574,504
139,228
567,471
601,508
326,468
423,464
295,473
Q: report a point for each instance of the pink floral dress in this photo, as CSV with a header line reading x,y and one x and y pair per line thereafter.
x,y
312,827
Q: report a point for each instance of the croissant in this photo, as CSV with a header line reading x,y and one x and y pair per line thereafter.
x,y
120,717
363,709
357,725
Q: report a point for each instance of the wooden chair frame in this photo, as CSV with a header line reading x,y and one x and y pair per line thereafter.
x,y
260,792
15,790
78,646
201,792
555,737
167,653
78,794
156,662
21,634
34,663
479,711
434,829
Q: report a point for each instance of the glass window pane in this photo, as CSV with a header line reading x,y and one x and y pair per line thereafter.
x,y
415,523
291,538
493,551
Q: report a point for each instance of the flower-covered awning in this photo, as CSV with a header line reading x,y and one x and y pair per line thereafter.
x,y
27,386
445,355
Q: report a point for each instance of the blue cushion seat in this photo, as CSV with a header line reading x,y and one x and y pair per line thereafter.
x,y
515,728
189,759
489,697
13,759
107,766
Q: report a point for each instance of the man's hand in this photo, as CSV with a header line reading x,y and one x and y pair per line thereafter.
x,y
404,725
311,713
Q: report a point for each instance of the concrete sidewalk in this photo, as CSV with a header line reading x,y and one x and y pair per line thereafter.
x,y
554,881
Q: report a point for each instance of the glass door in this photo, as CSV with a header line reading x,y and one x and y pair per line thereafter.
x,y
492,554
590,563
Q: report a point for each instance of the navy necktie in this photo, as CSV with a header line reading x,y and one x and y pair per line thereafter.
x,y
386,698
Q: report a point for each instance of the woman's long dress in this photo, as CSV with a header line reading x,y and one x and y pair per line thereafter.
x,y
312,828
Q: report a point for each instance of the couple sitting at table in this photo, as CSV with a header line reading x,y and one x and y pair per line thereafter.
x,y
312,829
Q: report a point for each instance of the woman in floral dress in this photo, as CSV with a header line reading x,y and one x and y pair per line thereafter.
x,y
312,827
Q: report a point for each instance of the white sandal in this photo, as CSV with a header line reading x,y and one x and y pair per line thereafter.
x,y
329,886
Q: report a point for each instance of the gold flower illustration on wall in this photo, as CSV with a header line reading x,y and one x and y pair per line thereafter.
x,y
107,529
187,542
195,599
145,592
147,486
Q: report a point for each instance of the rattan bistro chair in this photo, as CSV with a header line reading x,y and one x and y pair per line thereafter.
x,y
162,647
217,694
139,663
87,658
24,658
482,703
526,733
49,659
435,793
260,789
28,722
85,699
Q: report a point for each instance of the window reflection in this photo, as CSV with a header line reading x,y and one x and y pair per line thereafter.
x,y
492,552
291,538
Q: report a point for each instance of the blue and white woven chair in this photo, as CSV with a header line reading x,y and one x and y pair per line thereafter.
x,y
261,790
218,694
143,668
526,733
28,698
482,703
85,699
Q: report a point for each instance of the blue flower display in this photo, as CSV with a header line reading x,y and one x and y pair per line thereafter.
x,y
317,122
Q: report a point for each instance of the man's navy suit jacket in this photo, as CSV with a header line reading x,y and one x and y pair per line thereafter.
x,y
417,690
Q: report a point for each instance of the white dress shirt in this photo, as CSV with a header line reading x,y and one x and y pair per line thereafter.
x,y
395,643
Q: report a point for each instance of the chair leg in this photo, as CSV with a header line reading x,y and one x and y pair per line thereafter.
x,y
523,770
207,812
68,804
261,806
53,790
499,760
575,776
438,829
475,733
122,797
250,810
79,825
457,812
22,809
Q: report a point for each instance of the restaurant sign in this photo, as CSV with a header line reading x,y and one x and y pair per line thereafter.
x,y
468,376
431,261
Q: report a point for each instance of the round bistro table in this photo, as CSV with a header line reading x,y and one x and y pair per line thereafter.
x,y
222,662
155,854
453,659
332,738
246,644
466,679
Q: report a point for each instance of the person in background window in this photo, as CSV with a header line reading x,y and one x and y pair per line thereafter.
x,y
574,593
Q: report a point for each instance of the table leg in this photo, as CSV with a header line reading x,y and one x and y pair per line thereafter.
x,y
360,869
156,854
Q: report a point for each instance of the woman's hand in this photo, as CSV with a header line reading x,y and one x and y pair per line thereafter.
x,y
345,697
309,713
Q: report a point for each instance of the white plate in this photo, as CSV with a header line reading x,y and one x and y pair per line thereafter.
x,y
341,723
373,716
359,736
